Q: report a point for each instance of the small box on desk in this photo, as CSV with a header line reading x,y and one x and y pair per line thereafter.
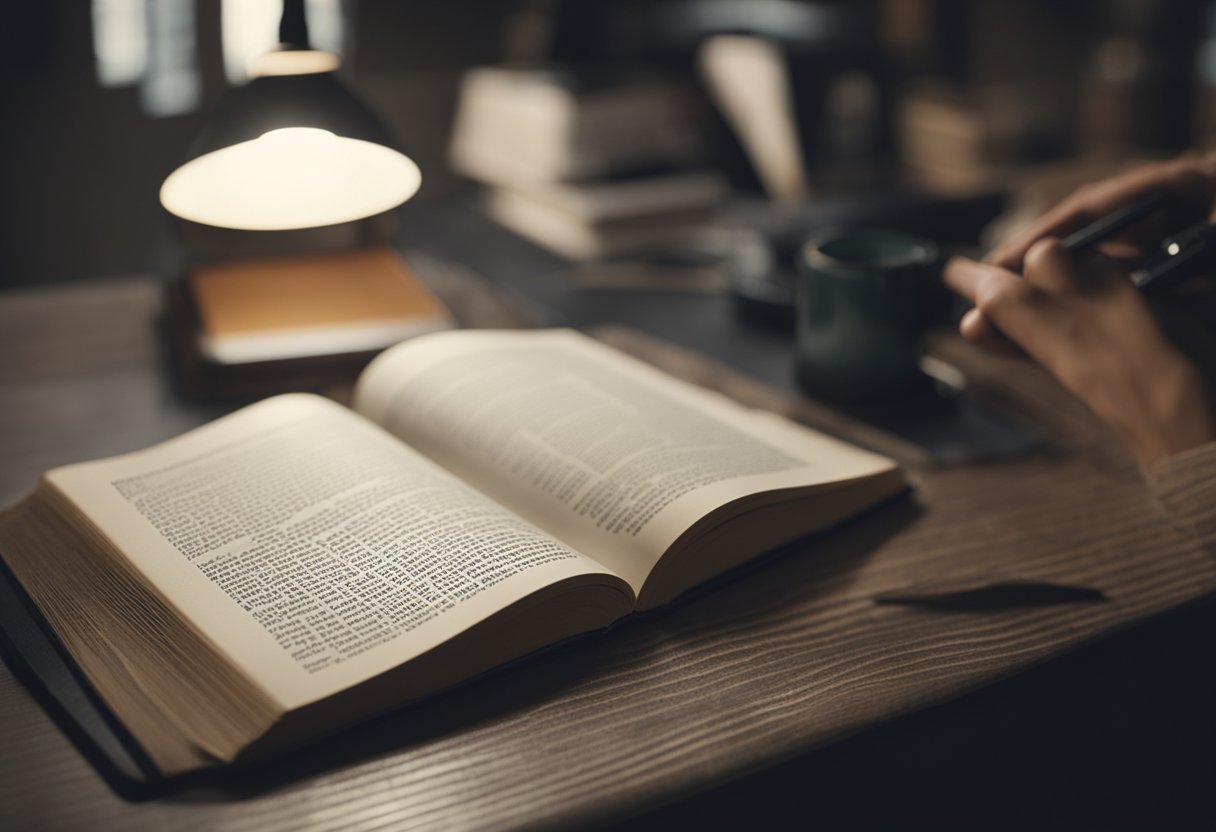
x,y
299,322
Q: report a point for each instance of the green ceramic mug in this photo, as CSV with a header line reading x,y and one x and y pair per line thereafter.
x,y
864,301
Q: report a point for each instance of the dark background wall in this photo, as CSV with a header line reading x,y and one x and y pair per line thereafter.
x,y
81,164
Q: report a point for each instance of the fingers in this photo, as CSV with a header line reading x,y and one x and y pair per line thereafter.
x,y
1049,266
1189,178
1004,301
1073,214
979,330
1054,269
964,275
1040,312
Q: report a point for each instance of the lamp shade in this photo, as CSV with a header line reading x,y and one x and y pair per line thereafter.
x,y
293,148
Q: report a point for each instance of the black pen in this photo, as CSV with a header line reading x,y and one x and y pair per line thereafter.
x,y
1113,223
997,596
1165,267
1168,267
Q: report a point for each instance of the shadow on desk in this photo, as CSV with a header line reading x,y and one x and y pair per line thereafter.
x,y
796,574
1106,738
701,703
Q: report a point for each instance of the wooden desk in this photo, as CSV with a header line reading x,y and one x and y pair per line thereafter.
x,y
734,688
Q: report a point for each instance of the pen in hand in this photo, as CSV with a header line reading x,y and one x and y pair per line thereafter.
x,y
1087,324
1114,222
1168,265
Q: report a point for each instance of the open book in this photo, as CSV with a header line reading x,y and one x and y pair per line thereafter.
x,y
298,565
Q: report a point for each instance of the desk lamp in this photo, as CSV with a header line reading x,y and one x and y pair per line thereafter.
x,y
285,167
293,148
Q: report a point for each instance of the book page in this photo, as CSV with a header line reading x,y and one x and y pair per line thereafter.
x,y
602,451
310,546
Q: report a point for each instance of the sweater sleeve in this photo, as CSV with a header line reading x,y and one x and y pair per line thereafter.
x,y
1185,485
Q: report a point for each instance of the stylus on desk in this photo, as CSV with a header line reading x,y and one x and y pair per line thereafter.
x,y
997,596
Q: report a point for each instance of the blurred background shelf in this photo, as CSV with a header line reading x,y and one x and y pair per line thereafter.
x,y
101,99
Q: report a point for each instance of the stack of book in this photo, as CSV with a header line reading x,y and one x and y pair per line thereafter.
x,y
958,142
260,325
587,165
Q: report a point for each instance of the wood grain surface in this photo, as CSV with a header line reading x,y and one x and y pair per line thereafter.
x,y
783,656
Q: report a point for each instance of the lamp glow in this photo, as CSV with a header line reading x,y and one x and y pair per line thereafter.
x,y
295,177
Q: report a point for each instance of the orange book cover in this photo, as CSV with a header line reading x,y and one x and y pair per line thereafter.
x,y
311,304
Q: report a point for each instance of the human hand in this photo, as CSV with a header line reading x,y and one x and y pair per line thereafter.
x,y
1089,326
1188,183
